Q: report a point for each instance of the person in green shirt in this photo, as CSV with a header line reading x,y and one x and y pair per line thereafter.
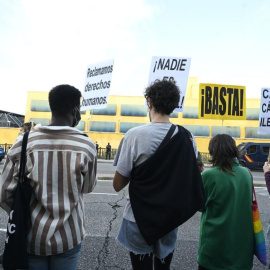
x,y
226,230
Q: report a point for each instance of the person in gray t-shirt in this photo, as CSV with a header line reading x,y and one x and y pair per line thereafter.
x,y
139,144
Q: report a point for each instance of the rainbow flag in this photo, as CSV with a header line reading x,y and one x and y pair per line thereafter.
x,y
260,248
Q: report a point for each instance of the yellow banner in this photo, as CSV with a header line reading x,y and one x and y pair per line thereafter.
x,y
217,101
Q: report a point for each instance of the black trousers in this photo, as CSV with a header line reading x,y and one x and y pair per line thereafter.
x,y
146,262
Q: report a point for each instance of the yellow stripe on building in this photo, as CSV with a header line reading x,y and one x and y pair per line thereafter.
x,y
125,112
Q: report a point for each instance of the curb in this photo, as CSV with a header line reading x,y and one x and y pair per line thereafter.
x,y
105,161
259,184
105,176
110,177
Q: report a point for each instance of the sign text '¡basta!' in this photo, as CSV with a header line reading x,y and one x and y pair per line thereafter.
x,y
170,64
222,100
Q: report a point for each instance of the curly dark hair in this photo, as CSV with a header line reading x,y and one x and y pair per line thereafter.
x,y
63,98
164,96
223,150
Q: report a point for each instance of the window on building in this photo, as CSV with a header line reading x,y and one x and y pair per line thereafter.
x,y
102,126
133,110
174,115
110,110
46,121
190,112
42,121
252,132
232,131
81,125
40,106
203,131
124,127
252,113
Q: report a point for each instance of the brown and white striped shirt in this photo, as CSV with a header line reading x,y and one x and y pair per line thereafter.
x,y
62,165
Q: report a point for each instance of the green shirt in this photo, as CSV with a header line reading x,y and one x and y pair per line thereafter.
x,y
226,233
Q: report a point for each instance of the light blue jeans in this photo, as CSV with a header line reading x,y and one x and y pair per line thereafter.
x,y
67,260
130,237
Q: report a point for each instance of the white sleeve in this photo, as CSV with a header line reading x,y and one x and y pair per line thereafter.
x,y
125,157
194,145
116,158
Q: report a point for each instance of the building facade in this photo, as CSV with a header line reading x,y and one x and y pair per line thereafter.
x,y
125,112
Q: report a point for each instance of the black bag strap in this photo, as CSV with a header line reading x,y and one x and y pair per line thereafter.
x,y
188,134
23,157
168,136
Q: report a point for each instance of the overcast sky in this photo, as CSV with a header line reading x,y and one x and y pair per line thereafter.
x,y
46,43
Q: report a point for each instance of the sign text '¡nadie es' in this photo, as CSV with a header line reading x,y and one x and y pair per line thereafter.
x,y
170,64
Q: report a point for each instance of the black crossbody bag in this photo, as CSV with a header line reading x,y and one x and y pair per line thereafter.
x,y
166,189
15,252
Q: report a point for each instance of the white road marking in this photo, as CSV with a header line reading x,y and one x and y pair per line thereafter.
x,y
262,191
112,194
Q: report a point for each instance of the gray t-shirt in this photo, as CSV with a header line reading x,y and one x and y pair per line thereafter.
x,y
138,145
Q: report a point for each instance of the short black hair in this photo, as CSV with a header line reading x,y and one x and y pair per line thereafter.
x,y
223,150
63,98
164,95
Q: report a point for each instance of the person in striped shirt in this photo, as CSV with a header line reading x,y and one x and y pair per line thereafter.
x,y
62,166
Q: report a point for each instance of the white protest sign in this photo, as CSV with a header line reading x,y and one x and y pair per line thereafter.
x,y
97,85
264,119
172,69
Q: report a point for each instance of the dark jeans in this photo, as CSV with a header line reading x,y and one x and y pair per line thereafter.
x,y
146,261
108,155
67,260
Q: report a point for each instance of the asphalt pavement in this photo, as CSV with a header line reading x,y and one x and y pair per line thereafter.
x,y
106,171
103,216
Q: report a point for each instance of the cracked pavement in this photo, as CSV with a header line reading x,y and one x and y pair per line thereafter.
x,y
104,252
104,209
103,220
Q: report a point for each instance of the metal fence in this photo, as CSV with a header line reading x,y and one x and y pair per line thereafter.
x,y
205,157
102,153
